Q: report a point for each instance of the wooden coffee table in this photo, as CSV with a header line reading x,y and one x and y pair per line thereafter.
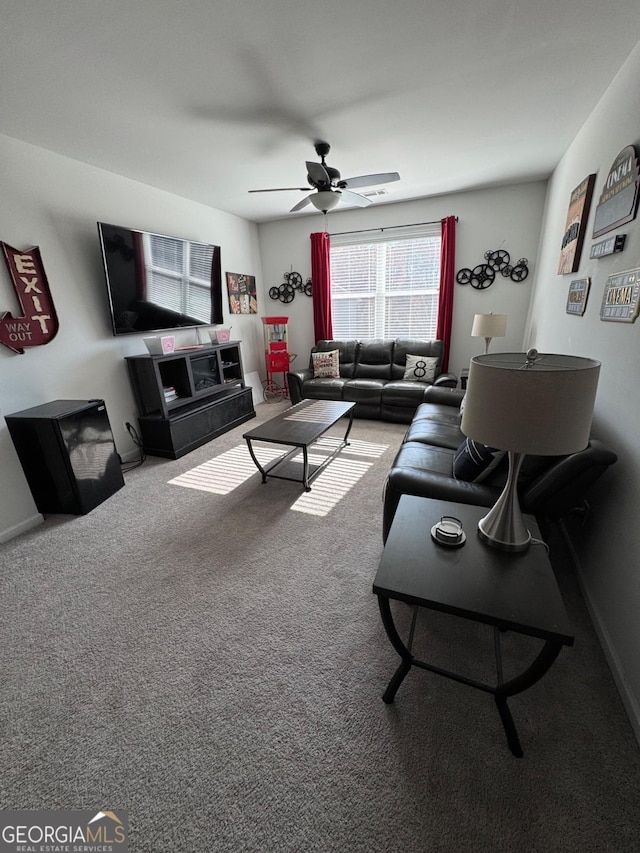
x,y
299,427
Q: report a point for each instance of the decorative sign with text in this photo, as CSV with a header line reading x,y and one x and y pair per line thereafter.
x,y
39,323
577,298
576,226
621,297
619,199
608,247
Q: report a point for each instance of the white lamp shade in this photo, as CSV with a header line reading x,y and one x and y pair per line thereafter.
x,y
489,326
540,405
325,200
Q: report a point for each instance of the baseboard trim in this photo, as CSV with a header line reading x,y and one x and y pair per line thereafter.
x,y
28,524
628,699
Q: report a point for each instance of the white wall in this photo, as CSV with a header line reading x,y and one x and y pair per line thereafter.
x,y
54,203
505,217
609,544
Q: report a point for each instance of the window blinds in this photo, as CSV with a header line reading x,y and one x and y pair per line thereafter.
x,y
385,284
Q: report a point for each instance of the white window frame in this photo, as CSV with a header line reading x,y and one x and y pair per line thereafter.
x,y
381,293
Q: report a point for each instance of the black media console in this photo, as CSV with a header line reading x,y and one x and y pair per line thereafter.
x,y
189,397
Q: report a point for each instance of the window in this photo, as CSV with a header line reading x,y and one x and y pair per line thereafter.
x,y
170,262
386,285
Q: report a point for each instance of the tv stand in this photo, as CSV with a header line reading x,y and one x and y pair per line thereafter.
x,y
189,397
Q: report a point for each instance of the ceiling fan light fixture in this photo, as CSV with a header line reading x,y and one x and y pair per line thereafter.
x,y
325,200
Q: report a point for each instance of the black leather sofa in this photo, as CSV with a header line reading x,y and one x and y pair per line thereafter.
x,y
549,486
371,376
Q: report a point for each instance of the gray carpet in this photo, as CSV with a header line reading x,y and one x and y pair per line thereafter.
x,y
214,662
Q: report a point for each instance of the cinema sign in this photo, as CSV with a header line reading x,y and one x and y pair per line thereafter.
x,y
618,202
621,298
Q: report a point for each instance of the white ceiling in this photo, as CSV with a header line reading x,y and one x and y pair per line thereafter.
x,y
211,98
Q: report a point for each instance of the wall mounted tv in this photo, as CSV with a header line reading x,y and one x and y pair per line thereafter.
x,y
157,283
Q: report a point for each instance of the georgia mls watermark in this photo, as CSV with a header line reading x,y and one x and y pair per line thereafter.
x,y
42,831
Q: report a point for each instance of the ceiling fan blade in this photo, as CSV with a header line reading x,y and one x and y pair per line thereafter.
x,y
281,190
355,198
301,204
370,180
318,174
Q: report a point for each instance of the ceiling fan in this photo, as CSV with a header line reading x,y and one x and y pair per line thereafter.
x,y
330,187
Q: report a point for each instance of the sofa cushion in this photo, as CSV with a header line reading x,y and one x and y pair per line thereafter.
x,y
347,350
420,368
374,360
439,413
401,393
414,454
474,462
403,347
323,389
434,433
363,391
326,364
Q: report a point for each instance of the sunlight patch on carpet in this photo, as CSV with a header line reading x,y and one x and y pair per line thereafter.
x,y
355,447
329,487
231,469
316,413
227,471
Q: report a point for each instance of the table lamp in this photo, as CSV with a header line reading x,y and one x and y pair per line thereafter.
x,y
489,326
523,403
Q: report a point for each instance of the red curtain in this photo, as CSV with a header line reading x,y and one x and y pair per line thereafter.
x,y
321,287
447,280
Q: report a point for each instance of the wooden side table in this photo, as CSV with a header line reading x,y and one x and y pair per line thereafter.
x,y
508,591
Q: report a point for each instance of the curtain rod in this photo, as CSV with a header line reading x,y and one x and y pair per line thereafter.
x,y
388,228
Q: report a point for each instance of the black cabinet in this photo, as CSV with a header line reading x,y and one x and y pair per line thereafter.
x,y
189,397
68,455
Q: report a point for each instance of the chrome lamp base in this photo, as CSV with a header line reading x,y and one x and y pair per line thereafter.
x,y
503,527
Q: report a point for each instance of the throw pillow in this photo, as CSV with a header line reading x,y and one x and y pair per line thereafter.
x,y
326,365
474,462
420,368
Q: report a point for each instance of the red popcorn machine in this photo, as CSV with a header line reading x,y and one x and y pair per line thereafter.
x,y
277,357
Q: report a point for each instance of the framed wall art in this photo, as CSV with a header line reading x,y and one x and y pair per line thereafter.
x,y
242,293
576,226
608,247
619,198
621,297
578,294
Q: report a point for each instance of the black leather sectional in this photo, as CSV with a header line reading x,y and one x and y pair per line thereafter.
x,y
548,486
371,376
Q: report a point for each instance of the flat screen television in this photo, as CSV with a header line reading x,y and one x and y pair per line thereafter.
x,y
157,283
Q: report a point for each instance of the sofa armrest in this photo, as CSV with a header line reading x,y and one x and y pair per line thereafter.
x,y
446,380
294,384
446,396
563,486
429,484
